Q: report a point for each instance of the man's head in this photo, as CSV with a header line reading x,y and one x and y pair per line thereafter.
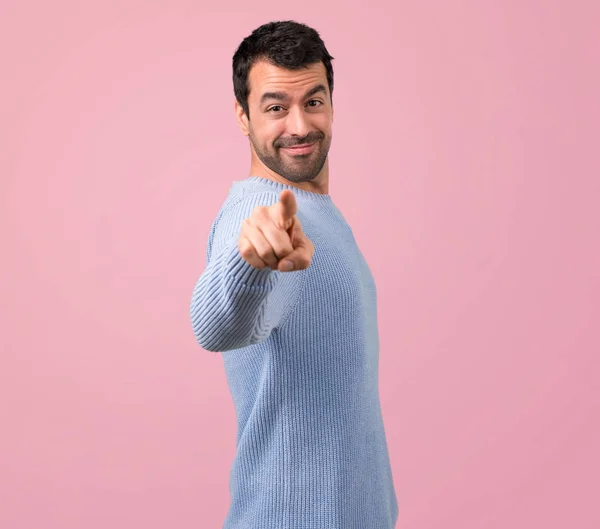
x,y
283,85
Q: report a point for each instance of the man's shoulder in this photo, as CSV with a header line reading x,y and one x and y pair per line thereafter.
x,y
245,195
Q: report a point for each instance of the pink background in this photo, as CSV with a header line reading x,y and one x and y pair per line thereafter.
x,y
465,157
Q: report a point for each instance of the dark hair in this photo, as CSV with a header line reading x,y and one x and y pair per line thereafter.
x,y
287,44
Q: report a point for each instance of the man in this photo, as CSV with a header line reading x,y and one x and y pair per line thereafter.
x,y
290,302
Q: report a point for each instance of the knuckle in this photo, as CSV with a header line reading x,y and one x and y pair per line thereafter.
x,y
246,253
245,250
260,211
265,255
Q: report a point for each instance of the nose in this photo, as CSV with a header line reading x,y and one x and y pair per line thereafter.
x,y
297,122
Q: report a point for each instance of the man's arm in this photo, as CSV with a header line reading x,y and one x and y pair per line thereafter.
x,y
235,304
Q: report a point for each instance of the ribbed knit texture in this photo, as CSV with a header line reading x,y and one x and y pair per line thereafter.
x,y
301,355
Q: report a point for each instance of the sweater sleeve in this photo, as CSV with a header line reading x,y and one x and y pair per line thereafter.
x,y
233,304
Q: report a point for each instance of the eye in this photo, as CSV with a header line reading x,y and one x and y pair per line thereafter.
x,y
272,109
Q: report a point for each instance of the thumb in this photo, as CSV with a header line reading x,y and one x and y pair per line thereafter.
x,y
301,256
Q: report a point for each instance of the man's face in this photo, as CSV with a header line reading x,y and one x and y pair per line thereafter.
x,y
288,108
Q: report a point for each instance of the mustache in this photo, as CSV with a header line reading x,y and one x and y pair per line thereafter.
x,y
310,138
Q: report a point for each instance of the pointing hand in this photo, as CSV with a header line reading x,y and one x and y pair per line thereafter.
x,y
272,236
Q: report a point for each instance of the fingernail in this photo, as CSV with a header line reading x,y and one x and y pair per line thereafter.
x,y
287,266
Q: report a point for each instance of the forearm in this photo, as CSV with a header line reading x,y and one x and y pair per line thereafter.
x,y
227,308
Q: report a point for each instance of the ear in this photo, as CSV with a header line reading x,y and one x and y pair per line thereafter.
x,y
241,117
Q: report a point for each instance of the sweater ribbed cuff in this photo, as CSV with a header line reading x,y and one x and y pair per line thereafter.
x,y
246,274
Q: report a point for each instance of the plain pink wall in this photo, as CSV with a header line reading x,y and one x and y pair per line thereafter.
x,y
465,157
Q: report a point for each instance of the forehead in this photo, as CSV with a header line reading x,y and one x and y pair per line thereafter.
x,y
266,77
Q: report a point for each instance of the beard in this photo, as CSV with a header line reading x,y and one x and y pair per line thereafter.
x,y
296,168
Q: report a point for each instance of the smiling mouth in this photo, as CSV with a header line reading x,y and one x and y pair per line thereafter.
x,y
305,148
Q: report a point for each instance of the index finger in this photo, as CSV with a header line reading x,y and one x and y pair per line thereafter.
x,y
286,208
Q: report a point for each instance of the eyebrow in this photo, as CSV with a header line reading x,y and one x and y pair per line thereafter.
x,y
282,96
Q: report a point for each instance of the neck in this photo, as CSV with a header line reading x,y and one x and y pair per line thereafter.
x,y
318,185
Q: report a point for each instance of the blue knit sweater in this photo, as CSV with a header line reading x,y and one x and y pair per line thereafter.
x,y
301,355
